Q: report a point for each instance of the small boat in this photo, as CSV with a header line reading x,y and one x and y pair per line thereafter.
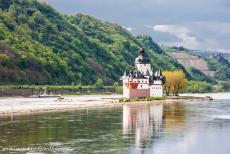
x,y
45,95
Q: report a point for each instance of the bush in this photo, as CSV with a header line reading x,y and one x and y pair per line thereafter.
x,y
223,86
118,88
99,84
198,87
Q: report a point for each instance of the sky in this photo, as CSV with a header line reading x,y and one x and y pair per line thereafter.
x,y
194,24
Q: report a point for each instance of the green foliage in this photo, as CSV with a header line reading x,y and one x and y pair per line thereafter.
x,y
79,89
38,45
118,88
197,75
222,69
223,86
198,87
4,4
140,99
99,84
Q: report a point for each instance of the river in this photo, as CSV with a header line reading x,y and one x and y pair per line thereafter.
x,y
191,127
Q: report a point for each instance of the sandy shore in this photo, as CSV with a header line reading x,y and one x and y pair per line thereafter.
x,y
19,106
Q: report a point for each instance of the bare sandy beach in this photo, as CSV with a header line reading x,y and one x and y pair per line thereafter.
x,y
19,106
12,106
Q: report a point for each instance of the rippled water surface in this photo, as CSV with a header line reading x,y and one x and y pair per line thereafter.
x,y
176,128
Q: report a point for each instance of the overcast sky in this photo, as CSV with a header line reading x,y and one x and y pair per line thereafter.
x,y
195,24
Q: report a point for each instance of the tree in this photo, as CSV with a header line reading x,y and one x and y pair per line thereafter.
x,y
175,82
99,84
117,87
223,86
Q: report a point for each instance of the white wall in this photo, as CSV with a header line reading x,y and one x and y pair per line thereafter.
x,y
143,84
156,91
125,89
157,82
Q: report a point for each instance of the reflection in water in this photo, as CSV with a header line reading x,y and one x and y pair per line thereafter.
x,y
147,121
174,117
144,121
175,128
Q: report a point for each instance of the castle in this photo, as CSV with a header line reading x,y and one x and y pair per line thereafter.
x,y
142,81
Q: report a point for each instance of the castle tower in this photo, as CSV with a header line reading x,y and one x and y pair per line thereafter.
x,y
142,62
142,81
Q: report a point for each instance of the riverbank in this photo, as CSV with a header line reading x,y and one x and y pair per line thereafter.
x,y
12,106
29,90
23,106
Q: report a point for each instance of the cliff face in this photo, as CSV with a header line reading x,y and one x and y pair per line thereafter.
x,y
188,61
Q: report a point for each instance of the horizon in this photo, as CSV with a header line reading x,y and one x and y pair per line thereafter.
x,y
195,25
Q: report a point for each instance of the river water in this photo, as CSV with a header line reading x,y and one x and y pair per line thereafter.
x,y
192,127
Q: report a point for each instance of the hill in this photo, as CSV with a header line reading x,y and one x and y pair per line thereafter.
x,y
207,54
202,68
38,45
188,60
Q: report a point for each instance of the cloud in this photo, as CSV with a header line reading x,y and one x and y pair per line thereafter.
x,y
184,34
203,35
130,29
200,24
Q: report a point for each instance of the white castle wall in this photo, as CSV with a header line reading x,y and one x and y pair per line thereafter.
x,y
126,91
143,84
156,90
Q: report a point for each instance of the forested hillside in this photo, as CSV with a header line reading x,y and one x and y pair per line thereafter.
x,y
38,45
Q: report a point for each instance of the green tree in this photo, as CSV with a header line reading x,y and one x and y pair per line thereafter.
x,y
99,84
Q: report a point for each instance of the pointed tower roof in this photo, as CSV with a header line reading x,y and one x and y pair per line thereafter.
x,y
125,73
160,73
141,51
142,58
147,73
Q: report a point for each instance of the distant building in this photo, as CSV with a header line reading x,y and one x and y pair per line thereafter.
x,y
142,81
